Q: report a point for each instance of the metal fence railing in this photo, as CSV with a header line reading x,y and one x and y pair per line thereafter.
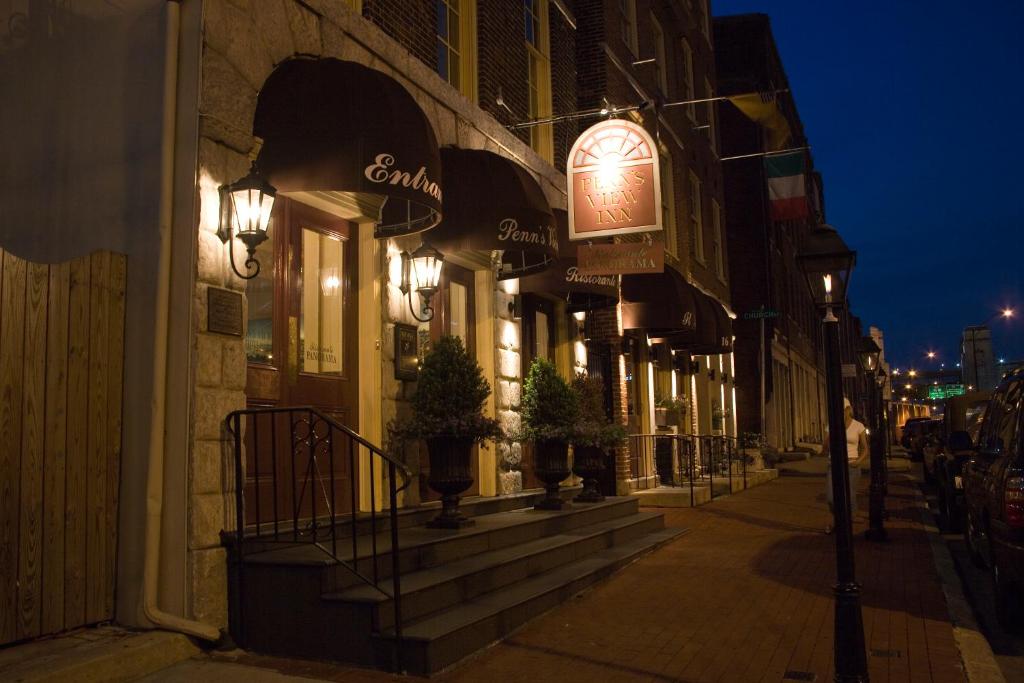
x,y
685,460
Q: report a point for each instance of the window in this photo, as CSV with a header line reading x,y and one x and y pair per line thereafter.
x,y
711,116
538,76
449,57
627,10
321,333
658,37
259,291
456,44
668,205
696,219
719,249
686,78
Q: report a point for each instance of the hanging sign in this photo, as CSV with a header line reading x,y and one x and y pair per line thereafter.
x,y
624,259
614,181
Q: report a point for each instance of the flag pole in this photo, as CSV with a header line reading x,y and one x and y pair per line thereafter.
x,y
766,154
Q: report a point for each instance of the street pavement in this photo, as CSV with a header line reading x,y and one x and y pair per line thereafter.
x,y
746,595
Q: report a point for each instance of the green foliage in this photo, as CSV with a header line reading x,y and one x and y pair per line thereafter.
x,y
550,409
593,428
449,399
677,404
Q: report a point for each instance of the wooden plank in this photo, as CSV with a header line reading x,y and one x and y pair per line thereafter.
x,y
96,501
55,448
12,338
32,416
115,386
77,442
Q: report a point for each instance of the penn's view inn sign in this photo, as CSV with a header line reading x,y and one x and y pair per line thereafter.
x,y
615,179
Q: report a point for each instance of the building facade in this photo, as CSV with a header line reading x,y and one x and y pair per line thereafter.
x,y
385,126
778,332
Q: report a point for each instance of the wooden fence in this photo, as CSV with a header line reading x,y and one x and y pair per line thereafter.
x,y
61,366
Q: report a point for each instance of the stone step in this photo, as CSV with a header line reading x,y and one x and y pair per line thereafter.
x,y
437,588
422,548
442,639
474,506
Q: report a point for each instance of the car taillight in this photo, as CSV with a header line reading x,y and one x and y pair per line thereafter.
x,y
1013,501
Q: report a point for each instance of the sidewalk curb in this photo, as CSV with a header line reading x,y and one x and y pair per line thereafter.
x,y
979,662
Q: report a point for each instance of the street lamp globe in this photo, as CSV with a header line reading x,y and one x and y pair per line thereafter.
x,y
826,263
869,355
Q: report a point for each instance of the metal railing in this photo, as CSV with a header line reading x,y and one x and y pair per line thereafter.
x,y
297,474
684,460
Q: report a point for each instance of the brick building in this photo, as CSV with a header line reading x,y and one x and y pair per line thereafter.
x,y
389,128
763,253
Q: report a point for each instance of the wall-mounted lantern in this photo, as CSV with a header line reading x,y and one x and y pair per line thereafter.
x,y
245,207
421,272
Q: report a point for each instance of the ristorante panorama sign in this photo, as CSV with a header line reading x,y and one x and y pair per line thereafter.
x,y
614,178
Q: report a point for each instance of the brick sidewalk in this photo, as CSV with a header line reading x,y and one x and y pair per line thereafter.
x,y
744,596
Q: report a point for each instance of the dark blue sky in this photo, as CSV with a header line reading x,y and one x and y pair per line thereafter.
x,y
913,111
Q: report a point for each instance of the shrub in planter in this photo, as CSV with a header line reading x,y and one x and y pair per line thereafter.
x,y
447,413
593,436
669,411
549,420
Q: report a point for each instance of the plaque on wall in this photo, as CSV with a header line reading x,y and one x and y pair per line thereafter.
x,y
224,311
407,361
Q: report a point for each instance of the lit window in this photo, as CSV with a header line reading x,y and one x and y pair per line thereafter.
x,y
668,206
687,78
711,116
696,219
538,75
627,10
716,219
448,40
658,36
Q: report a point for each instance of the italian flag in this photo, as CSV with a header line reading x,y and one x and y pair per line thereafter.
x,y
787,190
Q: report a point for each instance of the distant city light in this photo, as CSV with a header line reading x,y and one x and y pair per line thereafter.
x,y
958,365
931,354
1007,312
906,386
913,373
1002,360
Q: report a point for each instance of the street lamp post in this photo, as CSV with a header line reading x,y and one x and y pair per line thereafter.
x,y
869,357
827,262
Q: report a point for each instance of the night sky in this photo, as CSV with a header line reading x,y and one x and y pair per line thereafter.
x,y
913,113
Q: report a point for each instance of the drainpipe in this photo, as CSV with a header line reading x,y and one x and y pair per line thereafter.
x,y
155,472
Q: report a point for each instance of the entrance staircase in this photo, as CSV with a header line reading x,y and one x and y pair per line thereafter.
x,y
461,590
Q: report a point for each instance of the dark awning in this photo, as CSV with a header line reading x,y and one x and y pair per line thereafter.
x,y
562,279
492,203
328,124
714,328
663,305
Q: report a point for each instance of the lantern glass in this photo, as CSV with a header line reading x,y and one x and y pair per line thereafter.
x,y
425,268
251,210
869,355
827,263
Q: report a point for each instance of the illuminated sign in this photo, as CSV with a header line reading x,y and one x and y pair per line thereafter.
x,y
614,177
624,259
936,392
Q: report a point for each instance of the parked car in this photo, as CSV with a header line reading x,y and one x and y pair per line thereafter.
x,y
963,414
915,432
931,443
908,431
994,498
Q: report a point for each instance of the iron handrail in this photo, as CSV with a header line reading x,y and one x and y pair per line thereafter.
x,y
312,438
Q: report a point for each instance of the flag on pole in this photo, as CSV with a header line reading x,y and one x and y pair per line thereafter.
x,y
763,108
787,186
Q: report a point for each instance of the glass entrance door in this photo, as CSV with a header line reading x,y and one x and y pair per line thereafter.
x,y
301,351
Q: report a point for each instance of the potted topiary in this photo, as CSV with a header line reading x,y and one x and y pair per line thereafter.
x,y
669,411
593,436
447,413
549,418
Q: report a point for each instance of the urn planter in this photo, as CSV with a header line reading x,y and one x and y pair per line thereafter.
x,y
588,463
551,464
450,474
